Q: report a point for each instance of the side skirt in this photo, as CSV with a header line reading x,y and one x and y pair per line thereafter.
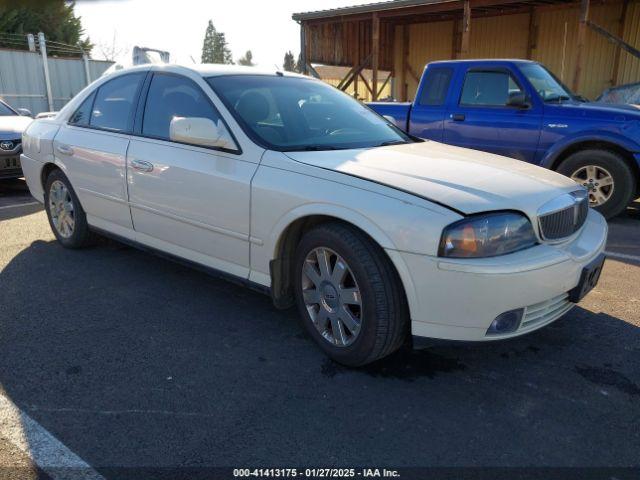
x,y
244,282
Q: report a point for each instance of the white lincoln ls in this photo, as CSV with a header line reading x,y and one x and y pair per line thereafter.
x,y
289,185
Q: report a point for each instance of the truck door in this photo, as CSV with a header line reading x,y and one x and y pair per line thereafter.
x,y
430,105
495,113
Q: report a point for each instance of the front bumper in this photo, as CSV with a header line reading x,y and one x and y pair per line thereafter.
x,y
457,299
10,164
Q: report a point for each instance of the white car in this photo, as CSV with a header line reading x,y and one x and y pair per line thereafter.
x,y
12,124
290,185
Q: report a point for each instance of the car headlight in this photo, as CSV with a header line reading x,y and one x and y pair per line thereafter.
x,y
487,235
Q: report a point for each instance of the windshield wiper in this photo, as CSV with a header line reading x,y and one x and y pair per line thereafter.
x,y
312,148
392,142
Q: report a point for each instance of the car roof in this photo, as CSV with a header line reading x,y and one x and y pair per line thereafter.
x,y
209,69
486,60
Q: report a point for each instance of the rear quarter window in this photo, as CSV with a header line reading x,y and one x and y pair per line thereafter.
x,y
436,86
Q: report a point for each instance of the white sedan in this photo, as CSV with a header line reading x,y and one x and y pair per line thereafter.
x,y
293,187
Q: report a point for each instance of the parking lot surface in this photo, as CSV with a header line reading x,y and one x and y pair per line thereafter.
x,y
128,359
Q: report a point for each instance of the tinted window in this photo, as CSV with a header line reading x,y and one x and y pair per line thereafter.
x,y
172,96
83,113
436,86
292,113
6,111
115,102
492,88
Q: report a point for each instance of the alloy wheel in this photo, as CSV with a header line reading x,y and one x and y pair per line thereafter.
x,y
332,297
598,182
62,209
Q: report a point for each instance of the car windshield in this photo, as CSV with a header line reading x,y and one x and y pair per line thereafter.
x,y
6,111
293,114
546,84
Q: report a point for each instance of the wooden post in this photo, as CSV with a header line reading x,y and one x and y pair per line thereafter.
x,y
616,55
375,53
303,49
405,63
466,28
533,33
582,34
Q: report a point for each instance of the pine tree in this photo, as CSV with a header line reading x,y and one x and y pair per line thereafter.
x,y
299,67
214,47
208,46
289,64
247,60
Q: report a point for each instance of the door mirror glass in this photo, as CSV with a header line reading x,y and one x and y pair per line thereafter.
x,y
518,100
25,112
200,131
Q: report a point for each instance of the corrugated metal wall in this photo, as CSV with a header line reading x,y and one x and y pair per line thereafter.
x,y
499,37
629,67
363,93
554,42
22,82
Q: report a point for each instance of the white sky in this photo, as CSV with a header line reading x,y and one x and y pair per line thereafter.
x,y
264,27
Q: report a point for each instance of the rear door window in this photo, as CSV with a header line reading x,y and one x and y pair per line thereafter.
x,y
82,115
115,103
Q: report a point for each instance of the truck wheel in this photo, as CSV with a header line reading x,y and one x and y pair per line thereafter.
x,y
66,216
607,177
349,295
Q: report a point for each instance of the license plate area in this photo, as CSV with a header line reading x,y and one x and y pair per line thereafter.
x,y
588,279
9,163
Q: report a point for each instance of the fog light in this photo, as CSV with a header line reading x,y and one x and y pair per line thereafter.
x,y
506,322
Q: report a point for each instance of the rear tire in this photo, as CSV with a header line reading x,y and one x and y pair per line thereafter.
x,y
66,216
379,307
586,167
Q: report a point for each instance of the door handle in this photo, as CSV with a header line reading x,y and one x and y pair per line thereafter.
x,y
457,117
142,166
64,149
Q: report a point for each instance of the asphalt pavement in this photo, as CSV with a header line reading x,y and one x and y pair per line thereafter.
x,y
131,360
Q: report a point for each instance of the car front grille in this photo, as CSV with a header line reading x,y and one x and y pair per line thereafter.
x,y
566,221
545,312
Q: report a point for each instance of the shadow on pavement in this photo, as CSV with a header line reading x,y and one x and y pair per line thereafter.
x,y
131,360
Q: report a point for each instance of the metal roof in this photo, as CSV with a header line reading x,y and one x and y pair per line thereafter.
x,y
365,8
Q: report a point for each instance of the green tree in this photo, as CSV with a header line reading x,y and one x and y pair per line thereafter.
x,y
222,53
247,60
214,47
299,67
55,18
208,46
289,63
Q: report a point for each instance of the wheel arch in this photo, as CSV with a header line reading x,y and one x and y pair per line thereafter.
x,y
281,265
601,144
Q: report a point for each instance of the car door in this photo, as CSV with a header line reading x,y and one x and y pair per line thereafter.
x,y
92,146
483,119
187,199
430,107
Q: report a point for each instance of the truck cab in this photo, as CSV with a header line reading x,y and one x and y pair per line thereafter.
x,y
519,109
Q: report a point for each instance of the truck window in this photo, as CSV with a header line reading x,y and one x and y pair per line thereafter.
x,y
436,86
488,88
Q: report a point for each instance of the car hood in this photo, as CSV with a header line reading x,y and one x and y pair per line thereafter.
x,y
465,180
595,110
12,125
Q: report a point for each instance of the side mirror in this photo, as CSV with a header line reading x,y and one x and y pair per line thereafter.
x,y
200,131
25,112
518,100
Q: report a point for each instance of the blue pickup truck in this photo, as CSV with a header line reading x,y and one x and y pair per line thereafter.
x,y
519,109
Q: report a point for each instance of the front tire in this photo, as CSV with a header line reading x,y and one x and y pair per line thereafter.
x,y
66,216
349,295
607,177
